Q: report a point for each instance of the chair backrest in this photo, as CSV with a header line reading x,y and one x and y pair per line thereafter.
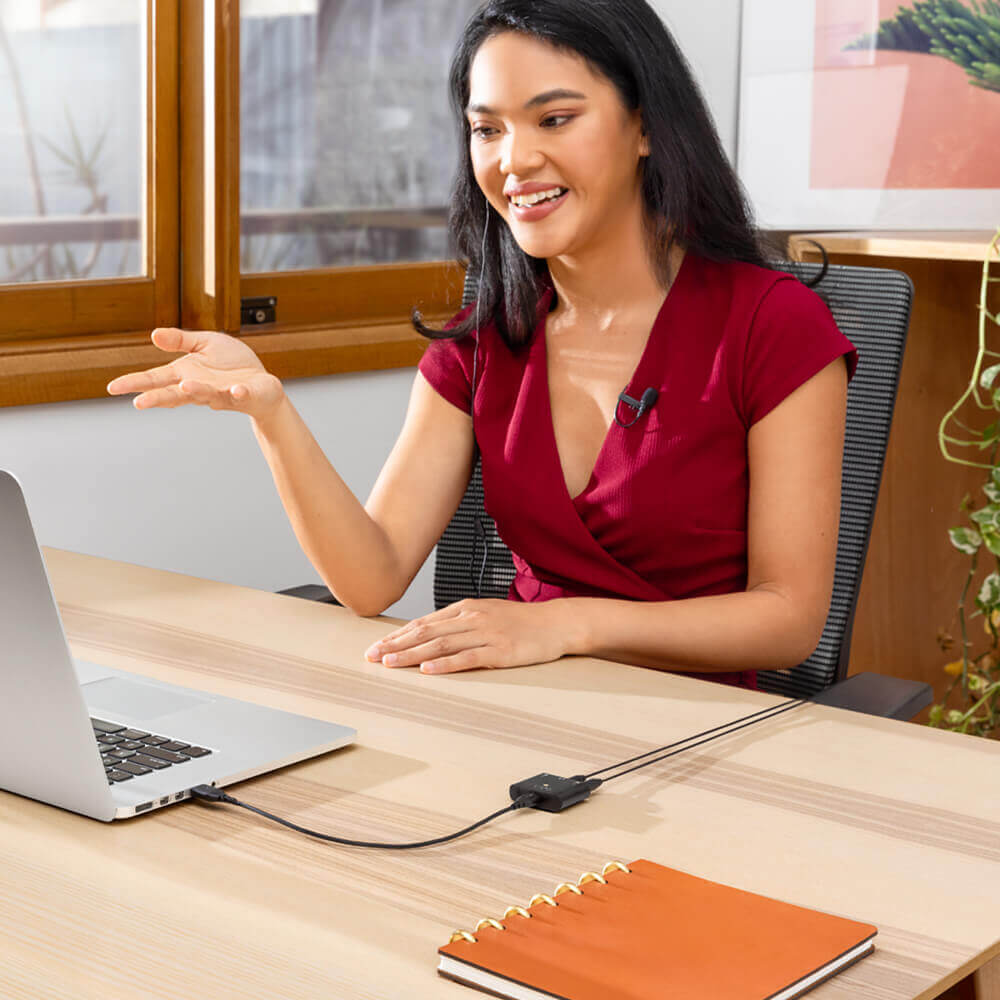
x,y
872,308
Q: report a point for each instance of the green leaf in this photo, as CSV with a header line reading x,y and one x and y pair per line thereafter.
x,y
991,538
989,593
965,540
986,516
989,376
992,491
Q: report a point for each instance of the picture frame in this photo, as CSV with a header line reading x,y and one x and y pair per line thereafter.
x,y
837,133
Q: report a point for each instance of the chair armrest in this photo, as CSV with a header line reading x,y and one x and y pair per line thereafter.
x,y
875,694
311,592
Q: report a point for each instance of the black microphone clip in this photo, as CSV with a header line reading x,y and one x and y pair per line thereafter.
x,y
640,406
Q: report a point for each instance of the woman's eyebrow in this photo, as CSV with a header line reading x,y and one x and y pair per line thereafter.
x,y
559,94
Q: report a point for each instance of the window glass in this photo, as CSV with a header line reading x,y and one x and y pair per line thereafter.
x,y
348,146
72,120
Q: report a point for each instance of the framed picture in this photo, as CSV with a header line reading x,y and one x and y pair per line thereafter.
x,y
870,114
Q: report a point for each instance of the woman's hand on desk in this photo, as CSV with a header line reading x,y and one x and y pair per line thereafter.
x,y
477,634
216,370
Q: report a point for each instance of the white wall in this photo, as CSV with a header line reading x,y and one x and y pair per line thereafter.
x,y
187,490
708,32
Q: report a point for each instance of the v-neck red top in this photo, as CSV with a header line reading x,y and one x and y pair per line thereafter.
x,y
664,516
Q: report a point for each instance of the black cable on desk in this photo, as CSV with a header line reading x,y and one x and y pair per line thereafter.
x,y
732,726
547,792
209,793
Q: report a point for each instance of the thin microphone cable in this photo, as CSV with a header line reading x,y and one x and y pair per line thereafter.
x,y
761,715
479,529
778,710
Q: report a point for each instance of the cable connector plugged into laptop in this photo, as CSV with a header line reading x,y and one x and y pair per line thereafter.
x,y
551,793
209,793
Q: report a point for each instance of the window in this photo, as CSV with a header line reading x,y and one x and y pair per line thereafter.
x,y
88,191
164,162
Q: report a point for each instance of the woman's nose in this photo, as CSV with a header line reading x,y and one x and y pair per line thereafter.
x,y
519,154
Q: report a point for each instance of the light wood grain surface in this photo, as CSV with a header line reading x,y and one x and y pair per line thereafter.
x,y
876,820
927,245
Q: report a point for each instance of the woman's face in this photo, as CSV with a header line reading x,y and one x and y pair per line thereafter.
x,y
553,147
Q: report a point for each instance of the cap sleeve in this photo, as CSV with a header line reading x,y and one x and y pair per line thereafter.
x,y
792,337
447,366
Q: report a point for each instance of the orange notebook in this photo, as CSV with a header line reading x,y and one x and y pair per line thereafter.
x,y
645,932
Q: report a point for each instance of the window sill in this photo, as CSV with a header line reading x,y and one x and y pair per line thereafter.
x,y
66,368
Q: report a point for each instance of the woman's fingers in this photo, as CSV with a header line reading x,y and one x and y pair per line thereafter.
x,y
420,630
190,391
466,648
152,378
170,338
169,397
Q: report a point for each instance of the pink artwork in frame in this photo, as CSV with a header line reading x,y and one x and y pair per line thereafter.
x,y
885,118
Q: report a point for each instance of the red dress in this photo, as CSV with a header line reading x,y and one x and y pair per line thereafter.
x,y
664,515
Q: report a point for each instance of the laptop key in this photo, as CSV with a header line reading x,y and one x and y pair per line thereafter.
x,y
122,754
196,752
129,745
133,768
160,754
174,746
108,739
155,741
133,734
140,758
119,776
106,727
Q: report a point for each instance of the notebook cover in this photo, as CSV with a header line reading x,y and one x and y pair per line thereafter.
x,y
658,932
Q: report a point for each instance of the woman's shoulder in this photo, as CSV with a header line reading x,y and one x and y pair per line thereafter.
x,y
753,280
750,293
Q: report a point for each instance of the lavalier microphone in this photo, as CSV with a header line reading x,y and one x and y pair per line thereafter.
x,y
640,405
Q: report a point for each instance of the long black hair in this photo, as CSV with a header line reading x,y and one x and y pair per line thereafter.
x,y
690,191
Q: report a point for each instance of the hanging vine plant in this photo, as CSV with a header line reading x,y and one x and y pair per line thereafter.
x,y
975,674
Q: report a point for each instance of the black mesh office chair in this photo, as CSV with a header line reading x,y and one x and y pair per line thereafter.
x,y
872,308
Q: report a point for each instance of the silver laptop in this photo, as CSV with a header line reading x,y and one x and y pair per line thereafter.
x,y
104,742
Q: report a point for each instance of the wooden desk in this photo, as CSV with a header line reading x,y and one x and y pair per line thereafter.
x,y
877,820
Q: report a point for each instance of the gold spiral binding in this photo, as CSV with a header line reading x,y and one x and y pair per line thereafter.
x,y
567,887
542,897
612,865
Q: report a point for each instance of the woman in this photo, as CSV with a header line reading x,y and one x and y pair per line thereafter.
x,y
696,532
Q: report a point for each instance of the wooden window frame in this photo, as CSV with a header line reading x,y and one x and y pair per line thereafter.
x,y
63,339
66,340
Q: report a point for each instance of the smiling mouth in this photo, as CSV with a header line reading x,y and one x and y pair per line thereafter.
x,y
538,198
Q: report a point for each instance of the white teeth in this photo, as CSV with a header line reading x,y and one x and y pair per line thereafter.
x,y
527,200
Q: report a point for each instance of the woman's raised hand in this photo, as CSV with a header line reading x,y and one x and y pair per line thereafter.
x,y
216,370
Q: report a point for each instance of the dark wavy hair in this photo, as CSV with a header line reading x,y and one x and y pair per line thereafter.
x,y
691,193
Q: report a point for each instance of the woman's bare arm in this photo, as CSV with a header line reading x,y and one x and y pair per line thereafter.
x,y
367,556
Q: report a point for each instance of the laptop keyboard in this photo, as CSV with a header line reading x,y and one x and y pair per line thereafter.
x,y
130,752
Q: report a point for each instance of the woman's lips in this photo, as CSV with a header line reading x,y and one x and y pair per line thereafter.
x,y
534,213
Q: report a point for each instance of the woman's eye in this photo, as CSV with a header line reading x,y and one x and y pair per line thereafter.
x,y
555,121
483,131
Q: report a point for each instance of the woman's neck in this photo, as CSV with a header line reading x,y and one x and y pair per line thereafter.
x,y
609,278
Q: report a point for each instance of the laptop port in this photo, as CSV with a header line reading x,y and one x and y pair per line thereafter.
x,y
144,807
